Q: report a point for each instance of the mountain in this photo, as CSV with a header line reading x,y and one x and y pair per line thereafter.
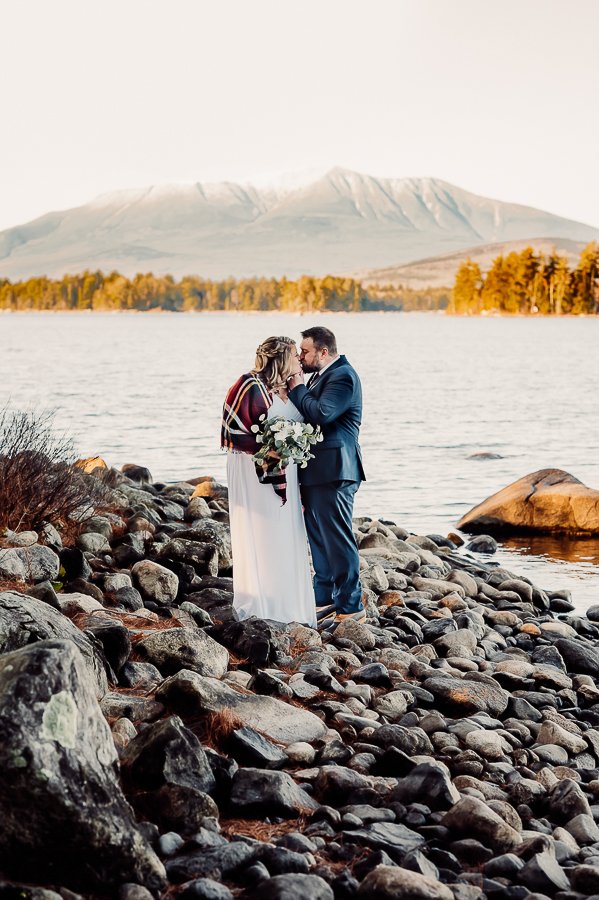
x,y
340,222
439,271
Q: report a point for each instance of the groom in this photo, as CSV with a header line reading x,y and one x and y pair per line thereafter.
x,y
333,400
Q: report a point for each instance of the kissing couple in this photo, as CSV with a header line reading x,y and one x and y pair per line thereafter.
x,y
270,530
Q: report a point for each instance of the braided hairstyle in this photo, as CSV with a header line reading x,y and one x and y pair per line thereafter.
x,y
275,362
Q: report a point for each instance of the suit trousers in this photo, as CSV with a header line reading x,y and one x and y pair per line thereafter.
x,y
328,510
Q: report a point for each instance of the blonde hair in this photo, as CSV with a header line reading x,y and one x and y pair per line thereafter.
x,y
274,361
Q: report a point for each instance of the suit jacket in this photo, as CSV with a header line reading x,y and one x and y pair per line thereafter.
x,y
334,403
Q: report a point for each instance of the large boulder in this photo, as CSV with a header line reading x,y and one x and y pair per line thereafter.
x,y
35,563
25,619
58,779
549,500
397,883
156,583
256,793
173,649
191,694
168,776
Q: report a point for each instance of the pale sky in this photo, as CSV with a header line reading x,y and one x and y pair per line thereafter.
x,y
498,98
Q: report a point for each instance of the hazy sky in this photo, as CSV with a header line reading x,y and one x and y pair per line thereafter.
x,y
499,98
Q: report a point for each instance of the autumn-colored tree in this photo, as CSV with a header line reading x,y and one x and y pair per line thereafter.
x,y
465,296
585,296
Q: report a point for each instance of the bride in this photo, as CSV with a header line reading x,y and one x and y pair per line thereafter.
x,y
271,570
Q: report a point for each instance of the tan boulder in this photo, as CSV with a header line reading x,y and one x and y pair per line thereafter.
x,y
549,500
90,464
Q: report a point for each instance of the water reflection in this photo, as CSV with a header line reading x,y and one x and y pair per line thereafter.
x,y
564,547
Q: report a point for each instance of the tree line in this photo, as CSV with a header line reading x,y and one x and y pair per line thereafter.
x,y
147,292
529,283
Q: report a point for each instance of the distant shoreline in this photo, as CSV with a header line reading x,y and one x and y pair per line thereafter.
x,y
299,315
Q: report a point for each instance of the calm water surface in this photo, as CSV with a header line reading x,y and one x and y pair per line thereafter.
x,y
149,388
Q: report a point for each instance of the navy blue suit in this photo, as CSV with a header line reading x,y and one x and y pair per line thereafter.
x,y
330,481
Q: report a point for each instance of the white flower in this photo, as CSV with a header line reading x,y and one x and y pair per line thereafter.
x,y
255,429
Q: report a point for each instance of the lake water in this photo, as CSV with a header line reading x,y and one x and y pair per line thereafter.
x,y
148,389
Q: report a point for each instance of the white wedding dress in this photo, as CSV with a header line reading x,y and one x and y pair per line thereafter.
x,y
271,569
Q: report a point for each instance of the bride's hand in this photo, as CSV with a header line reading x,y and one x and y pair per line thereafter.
x,y
294,379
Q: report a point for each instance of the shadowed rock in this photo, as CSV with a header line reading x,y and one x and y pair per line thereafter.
x,y
58,778
549,500
25,619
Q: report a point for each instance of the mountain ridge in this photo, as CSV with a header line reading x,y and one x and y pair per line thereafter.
x,y
439,271
341,222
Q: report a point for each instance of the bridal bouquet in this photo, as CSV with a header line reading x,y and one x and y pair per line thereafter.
x,y
290,441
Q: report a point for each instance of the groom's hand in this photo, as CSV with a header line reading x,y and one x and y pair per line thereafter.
x,y
294,379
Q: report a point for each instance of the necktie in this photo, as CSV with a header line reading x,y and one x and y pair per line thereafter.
x,y
313,380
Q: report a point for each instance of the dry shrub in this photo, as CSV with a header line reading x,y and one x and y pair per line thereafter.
x,y
39,482
213,729
220,725
12,584
262,831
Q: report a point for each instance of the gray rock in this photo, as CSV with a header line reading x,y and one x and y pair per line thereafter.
x,y
394,838
552,733
392,705
210,531
251,749
579,656
256,793
25,619
93,543
356,632
140,675
197,509
482,543
98,525
508,865
22,538
396,883
173,649
142,709
467,695
544,874
202,556
11,564
206,888
59,784
134,892
472,817
428,781
51,537
167,753
114,582
293,887
215,862
155,583
583,829
40,563
566,801
191,694
457,643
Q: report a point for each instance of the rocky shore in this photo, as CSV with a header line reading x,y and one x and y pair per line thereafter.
x,y
153,746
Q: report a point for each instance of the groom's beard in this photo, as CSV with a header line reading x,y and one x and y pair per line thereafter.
x,y
310,370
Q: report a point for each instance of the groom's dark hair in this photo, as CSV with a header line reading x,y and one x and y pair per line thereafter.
x,y
322,337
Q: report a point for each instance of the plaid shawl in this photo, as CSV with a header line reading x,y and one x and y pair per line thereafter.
x,y
246,401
